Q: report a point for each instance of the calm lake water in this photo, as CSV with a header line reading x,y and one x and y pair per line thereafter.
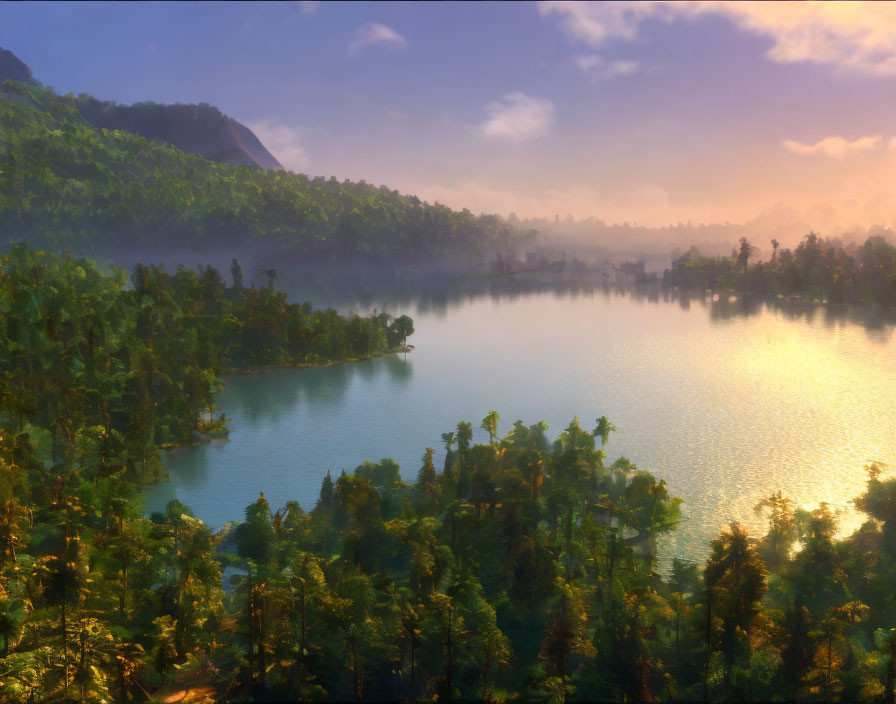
x,y
726,402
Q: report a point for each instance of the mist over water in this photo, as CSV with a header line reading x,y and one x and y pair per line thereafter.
x,y
726,401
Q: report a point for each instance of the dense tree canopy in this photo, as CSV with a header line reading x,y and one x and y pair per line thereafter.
x,y
66,183
815,270
521,569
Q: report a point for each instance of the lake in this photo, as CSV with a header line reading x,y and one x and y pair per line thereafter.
x,y
727,401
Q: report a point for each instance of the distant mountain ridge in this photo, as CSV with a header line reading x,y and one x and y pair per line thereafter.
x,y
68,184
198,129
14,69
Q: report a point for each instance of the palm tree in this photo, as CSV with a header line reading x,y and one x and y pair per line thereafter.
x,y
603,429
490,425
62,589
448,439
464,436
743,258
735,576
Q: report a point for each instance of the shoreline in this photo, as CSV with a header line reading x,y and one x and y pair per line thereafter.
x,y
203,439
311,365
738,296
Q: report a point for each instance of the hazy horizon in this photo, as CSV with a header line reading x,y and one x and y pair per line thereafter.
x,y
655,114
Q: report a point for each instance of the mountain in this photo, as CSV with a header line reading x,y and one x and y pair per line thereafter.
x,y
14,69
67,183
198,129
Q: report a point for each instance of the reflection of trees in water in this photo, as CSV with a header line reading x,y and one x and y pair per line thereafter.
x,y
263,398
436,295
399,369
878,322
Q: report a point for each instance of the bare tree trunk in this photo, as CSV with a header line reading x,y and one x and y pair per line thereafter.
x,y
413,671
357,674
708,644
82,663
450,653
64,650
122,598
251,654
304,621
262,667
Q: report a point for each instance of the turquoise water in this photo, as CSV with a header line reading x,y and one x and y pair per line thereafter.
x,y
726,403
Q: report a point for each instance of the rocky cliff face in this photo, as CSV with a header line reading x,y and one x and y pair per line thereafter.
x,y
199,129
14,69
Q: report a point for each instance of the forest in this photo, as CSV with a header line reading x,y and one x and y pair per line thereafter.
x,y
815,270
520,569
67,184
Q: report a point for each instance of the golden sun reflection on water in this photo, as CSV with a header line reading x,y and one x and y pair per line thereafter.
x,y
726,405
826,399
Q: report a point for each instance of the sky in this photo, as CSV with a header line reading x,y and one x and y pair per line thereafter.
x,y
651,113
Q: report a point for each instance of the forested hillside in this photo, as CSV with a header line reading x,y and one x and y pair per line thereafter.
x,y
199,129
65,183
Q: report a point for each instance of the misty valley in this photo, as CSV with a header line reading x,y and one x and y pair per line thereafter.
x,y
529,353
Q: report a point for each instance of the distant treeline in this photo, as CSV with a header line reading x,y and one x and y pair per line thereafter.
x,y
814,270
66,183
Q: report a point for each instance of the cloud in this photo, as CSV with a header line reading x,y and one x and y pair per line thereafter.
x,y
857,36
836,147
518,117
595,23
284,142
621,68
373,34
305,8
597,66
589,62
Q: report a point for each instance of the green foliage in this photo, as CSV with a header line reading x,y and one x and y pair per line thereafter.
x,y
66,183
524,570
815,271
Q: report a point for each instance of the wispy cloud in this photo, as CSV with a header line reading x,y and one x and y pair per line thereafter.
x,y
597,66
305,8
595,23
284,142
836,147
374,34
518,117
857,36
